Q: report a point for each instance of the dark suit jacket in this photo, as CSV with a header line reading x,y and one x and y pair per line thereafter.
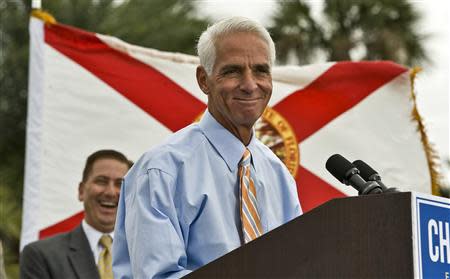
x,y
64,256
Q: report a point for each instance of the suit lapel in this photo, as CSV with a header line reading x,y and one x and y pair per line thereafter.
x,y
80,255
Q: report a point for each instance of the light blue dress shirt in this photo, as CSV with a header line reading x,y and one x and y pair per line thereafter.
x,y
179,203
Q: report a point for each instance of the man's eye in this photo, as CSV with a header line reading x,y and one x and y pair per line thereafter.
x,y
262,70
229,72
118,183
101,181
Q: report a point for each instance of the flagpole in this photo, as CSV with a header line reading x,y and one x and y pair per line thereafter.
x,y
36,4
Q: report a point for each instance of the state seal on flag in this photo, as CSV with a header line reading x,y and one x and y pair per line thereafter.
x,y
275,132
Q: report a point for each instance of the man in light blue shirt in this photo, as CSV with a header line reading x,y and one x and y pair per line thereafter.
x,y
180,204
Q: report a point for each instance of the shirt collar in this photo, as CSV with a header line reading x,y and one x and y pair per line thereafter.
x,y
256,156
227,145
92,234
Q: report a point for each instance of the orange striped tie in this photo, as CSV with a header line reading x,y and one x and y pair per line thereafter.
x,y
251,222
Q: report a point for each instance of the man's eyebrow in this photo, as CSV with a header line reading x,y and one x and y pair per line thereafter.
x,y
107,177
231,67
101,177
262,66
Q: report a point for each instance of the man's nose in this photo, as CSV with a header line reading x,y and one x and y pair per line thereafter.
x,y
248,82
111,189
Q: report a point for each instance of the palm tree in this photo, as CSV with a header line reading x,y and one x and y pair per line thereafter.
x,y
350,30
295,32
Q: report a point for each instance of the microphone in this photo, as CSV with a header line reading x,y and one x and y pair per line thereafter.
x,y
369,174
347,173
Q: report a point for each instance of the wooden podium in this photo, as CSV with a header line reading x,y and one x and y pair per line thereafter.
x,y
355,237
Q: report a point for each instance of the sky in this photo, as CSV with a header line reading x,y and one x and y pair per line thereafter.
x,y
432,84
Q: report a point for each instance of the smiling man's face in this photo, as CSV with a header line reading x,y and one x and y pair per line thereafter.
x,y
240,85
100,193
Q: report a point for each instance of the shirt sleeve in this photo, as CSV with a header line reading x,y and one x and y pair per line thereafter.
x,y
293,198
121,258
148,240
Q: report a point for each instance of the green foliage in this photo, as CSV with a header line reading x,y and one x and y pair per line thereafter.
x,y
350,30
168,25
85,14
10,216
295,32
13,102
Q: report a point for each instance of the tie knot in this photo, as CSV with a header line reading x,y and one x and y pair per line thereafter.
x,y
106,241
245,161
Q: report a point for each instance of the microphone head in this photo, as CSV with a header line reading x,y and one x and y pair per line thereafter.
x,y
365,170
339,167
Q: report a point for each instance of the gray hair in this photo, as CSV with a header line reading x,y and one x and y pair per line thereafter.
x,y
206,48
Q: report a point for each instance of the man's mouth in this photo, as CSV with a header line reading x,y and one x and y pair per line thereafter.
x,y
108,204
248,101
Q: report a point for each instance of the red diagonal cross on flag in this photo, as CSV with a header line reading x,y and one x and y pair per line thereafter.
x,y
325,110
307,110
327,97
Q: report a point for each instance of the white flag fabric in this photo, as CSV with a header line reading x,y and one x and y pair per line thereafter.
x,y
89,92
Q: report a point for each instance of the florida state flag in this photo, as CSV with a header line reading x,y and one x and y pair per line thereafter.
x,y
89,91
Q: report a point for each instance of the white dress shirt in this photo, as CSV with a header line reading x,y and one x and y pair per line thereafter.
x,y
93,237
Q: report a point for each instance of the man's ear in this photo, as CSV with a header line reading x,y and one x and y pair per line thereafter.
x,y
81,191
202,79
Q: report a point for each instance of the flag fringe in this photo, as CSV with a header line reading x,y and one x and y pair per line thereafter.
x,y
44,16
430,152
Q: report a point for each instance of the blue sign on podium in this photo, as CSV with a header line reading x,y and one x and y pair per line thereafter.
x,y
432,236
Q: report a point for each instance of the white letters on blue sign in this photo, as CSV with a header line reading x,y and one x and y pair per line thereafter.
x,y
432,230
439,251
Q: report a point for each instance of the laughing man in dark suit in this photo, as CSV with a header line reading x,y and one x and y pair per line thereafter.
x,y
76,254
